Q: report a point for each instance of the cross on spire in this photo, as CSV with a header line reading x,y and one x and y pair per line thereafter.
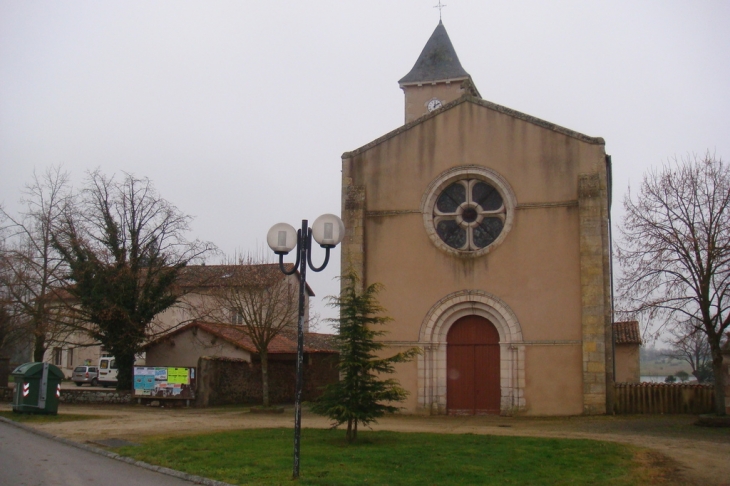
x,y
439,6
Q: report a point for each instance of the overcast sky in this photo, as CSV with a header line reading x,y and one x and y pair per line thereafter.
x,y
239,111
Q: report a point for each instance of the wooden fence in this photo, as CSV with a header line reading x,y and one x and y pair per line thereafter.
x,y
663,398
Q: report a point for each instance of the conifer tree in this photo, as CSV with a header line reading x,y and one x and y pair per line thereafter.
x,y
362,394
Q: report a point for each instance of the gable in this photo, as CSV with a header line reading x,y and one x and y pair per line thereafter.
x,y
483,103
540,160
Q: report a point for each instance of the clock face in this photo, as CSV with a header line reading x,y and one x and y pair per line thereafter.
x,y
434,104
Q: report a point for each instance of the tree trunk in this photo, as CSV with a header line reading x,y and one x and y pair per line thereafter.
x,y
348,435
719,380
354,432
125,370
265,377
39,347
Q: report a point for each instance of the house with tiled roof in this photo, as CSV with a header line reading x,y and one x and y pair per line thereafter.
x,y
230,369
627,343
200,283
197,286
184,346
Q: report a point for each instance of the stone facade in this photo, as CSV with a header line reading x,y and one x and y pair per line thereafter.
x,y
543,281
95,397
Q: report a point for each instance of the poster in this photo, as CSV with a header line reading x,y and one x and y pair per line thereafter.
x,y
164,382
178,375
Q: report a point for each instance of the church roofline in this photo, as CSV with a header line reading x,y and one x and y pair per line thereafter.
x,y
487,104
421,83
472,87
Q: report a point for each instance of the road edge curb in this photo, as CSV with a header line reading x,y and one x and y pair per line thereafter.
x,y
113,455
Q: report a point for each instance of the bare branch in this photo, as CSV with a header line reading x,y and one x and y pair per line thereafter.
x,y
32,269
256,296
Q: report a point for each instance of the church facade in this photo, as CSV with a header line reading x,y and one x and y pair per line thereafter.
x,y
489,230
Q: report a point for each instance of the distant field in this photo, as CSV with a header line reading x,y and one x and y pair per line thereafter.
x,y
663,367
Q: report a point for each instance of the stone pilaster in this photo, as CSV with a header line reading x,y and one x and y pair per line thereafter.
x,y
595,315
353,215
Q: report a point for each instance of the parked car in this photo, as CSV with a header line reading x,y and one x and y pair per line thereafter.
x,y
108,371
85,374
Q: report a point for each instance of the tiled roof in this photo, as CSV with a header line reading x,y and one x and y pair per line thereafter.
x,y
210,276
284,343
627,332
202,276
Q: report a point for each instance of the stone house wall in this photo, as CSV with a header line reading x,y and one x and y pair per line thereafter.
x,y
627,363
82,396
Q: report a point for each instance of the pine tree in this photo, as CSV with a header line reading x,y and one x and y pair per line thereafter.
x,y
361,395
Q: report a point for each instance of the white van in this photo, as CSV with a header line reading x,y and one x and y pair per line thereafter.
x,y
107,371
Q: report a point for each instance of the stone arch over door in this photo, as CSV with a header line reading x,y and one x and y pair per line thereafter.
x,y
432,373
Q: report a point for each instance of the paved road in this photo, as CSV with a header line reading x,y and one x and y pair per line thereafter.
x,y
27,459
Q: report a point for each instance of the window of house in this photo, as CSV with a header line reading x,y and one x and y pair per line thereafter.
x,y
70,358
57,354
236,317
468,210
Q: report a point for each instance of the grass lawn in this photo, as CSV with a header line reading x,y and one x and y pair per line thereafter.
x,y
264,456
42,419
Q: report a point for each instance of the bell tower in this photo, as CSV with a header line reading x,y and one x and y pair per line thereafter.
x,y
437,77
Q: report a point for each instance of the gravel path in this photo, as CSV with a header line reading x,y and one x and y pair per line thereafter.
x,y
701,455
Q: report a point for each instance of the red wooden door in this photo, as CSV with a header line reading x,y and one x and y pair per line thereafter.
x,y
472,367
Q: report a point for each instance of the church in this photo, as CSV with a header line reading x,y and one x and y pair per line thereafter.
x,y
489,230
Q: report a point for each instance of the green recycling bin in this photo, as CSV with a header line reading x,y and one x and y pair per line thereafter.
x,y
37,388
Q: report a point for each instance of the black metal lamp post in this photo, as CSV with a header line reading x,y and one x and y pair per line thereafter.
x,y
327,230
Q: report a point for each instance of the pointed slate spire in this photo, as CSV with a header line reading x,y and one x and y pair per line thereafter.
x,y
438,61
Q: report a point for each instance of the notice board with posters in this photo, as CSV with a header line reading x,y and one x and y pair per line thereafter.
x,y
164,382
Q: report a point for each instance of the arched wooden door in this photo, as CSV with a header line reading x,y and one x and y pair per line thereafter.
x,y
472,367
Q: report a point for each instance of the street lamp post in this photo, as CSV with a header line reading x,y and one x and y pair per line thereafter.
x,y
327,230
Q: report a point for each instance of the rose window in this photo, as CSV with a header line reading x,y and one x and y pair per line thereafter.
x,y
469,215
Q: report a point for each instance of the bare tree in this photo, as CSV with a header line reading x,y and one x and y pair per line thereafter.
x,y
675,252
11,332
125,247
258,297
32,269
690,345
